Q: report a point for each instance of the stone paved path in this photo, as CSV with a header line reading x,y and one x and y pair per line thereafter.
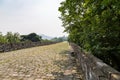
x,y
51,62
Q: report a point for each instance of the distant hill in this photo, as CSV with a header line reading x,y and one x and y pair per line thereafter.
x,y
46,37
59,39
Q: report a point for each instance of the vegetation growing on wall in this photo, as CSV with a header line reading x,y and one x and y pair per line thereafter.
x,y
95,26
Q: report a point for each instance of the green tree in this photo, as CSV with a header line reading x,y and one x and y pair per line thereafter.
x,y
31,37
94,25
3,38
12,37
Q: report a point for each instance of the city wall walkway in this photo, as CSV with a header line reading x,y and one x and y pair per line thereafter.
x,y
50,62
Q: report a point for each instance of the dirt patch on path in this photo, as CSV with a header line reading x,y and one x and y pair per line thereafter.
x,y
51,62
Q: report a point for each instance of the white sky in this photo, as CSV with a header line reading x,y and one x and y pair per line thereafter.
x,y
26,16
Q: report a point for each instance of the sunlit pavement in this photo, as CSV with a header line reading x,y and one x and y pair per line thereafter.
x,y
52,62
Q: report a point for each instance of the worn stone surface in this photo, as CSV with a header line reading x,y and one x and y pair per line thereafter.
x,y
52,62
15,46
92,67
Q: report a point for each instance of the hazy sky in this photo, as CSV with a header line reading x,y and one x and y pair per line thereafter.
x,y
26,16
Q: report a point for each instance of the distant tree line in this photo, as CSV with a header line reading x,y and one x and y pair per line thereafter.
x,y
59,39
16,38
32,37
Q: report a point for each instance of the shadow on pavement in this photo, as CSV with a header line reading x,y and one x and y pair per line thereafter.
x,y
68,68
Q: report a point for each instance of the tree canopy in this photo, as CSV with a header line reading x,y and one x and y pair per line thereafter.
x,y
9,37
16,37
95,26
31,37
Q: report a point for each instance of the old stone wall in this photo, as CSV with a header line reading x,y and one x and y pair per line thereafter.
x,y
22,45
92,67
